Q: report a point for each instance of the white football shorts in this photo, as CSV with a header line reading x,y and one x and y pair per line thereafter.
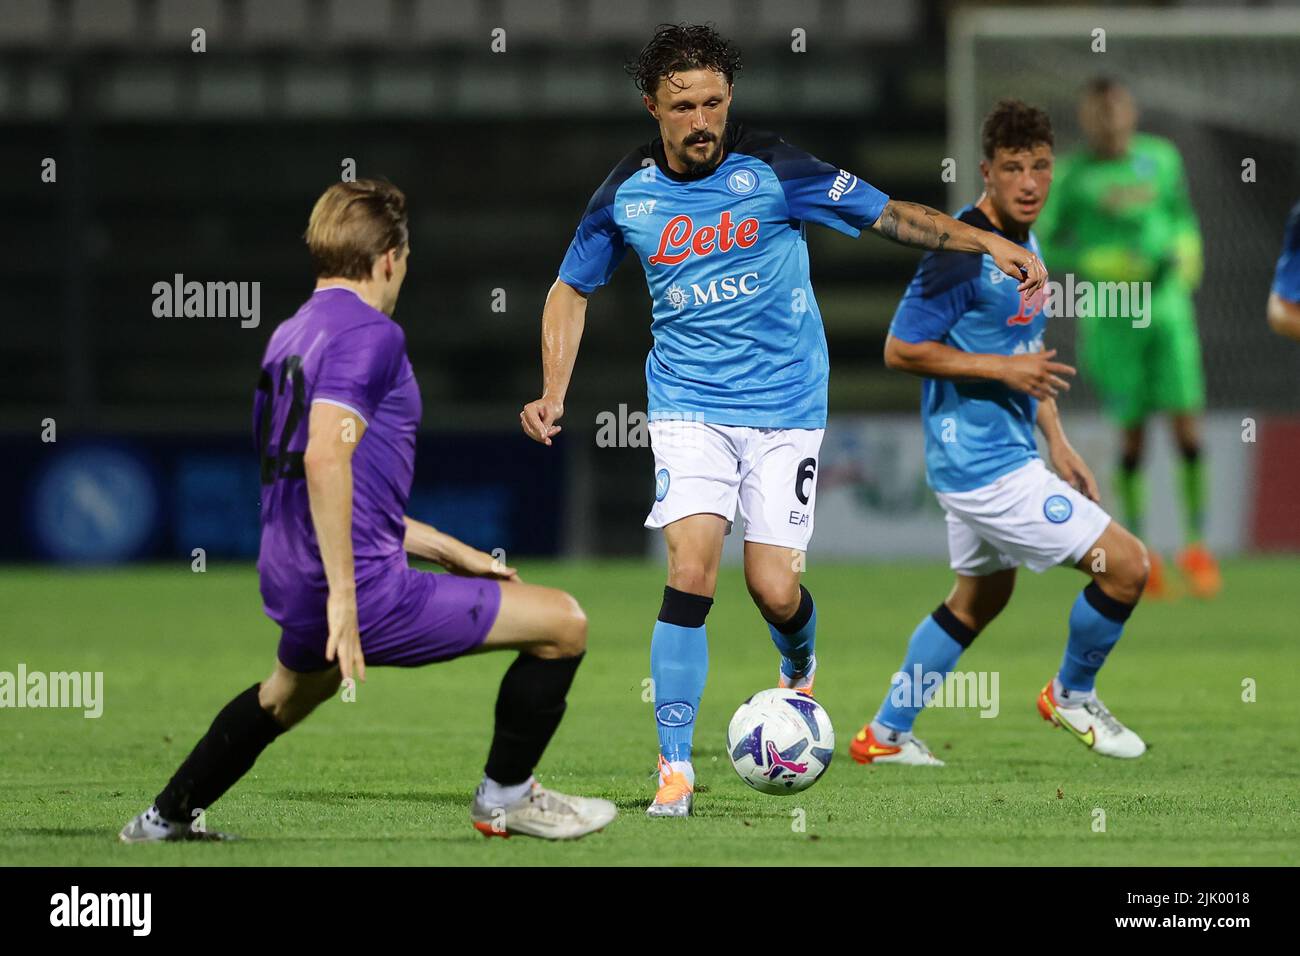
x,y
708,469
1028,516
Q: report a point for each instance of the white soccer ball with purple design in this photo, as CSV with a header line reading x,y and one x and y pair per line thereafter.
x,y
780,741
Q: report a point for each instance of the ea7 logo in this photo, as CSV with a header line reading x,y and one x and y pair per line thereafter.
x,y
845,183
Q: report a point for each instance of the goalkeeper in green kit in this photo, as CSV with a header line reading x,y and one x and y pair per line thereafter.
x,y
1120,212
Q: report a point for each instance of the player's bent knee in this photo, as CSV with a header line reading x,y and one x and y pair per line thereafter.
x,y
777,602
1126,575
290,697
1136,571
565,629
692,578
573,629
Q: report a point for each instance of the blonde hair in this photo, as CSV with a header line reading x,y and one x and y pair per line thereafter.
x,y
353,224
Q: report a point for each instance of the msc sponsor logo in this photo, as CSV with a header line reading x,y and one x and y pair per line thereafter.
x,y
1058,509
726,288
676,297
680,239
742,182
845,183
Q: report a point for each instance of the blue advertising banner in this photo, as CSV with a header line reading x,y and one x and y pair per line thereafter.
x,y
115,498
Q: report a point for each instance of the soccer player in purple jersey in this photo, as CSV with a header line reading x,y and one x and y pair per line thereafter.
x,y
737,378
335,417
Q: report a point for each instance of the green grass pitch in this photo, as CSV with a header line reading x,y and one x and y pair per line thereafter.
x,y
387,779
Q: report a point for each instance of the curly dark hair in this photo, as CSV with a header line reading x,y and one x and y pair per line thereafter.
x,y
682,46
1011,124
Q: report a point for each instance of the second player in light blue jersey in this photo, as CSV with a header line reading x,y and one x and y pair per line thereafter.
x,y
1284,298
977,343
716,214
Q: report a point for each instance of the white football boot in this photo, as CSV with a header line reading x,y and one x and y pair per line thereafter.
x,y
676,794
1092,723
150,827
911,750
542,813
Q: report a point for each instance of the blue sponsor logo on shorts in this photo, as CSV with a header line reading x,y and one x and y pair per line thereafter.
x,y
661,484
1058,509
677,713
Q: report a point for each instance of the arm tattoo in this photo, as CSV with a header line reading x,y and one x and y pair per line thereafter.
x,y
912,224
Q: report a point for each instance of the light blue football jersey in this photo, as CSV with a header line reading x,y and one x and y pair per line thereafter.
x,y
738,338
1286,280
975,432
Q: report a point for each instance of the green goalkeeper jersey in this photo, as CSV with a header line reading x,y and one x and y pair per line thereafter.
x,y
1124,219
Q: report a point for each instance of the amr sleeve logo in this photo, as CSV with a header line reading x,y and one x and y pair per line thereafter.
x,y
1058,509
676,713
845,182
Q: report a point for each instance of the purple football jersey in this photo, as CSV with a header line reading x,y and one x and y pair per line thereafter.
x,y
335,349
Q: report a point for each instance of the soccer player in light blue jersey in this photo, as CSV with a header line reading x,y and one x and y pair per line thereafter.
x,y
1284,300
716,214
977,343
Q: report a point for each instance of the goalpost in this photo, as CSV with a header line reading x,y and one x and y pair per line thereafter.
x,y
1223,85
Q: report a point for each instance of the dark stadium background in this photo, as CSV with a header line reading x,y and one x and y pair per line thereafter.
x,y
206,164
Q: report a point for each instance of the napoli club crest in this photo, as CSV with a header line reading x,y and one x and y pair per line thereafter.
x,y
661,484
1058,509
742,182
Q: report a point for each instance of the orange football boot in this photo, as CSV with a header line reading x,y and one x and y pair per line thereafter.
x,y
1157,588
1199,567
676,795
865,748
802,684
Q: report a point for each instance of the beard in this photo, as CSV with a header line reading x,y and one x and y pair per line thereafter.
x,y
697,167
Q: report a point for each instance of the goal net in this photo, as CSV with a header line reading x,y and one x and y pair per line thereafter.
x,y
1224,86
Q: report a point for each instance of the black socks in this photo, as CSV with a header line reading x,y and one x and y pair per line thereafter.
x,y
232,744
529,707
953,626
684,609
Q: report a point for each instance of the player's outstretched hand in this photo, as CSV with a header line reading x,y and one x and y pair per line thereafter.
x,y
1034,373
470,562
538,419
345,635
1017,262
1069,464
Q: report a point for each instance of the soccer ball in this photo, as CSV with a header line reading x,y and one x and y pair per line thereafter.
x,y
780,741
